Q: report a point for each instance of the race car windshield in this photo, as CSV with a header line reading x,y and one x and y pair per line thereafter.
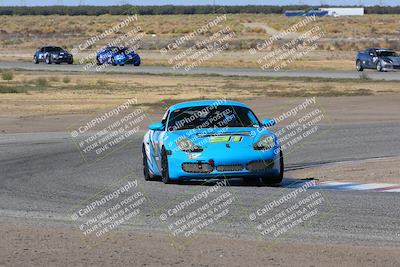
x,y
54,49
211,117
386,53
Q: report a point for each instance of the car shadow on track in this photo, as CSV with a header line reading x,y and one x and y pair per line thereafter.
x,y
286,182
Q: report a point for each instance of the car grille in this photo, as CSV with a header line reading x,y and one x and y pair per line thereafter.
x,y
197,167
230,168
260,165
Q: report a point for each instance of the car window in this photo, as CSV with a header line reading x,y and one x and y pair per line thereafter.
x,y
165,116
54,49
386,53
211,117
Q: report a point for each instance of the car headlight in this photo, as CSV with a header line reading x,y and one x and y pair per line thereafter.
x,y
186,145
264,143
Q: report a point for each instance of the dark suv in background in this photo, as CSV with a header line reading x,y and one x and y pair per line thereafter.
x,y
52,54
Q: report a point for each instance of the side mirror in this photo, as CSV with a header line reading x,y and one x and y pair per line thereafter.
x,y
268,122
157,126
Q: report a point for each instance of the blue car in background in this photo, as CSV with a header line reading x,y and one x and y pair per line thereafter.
x,y
117,56
212,139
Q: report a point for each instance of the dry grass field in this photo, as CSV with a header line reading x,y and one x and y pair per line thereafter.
x,y
343,36
30,92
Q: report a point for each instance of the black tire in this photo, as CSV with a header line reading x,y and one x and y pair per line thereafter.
x,y
98,61
48,60
71,62
146,173
379,66
35,60
164,168
275,179
359,66
58,63
122,64
136,64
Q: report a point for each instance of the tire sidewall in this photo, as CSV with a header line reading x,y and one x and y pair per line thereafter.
x,y
277,179
358,66
165,168
146,172
379,66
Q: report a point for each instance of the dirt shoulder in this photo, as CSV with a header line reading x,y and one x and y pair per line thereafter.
x,y
379,170
23,244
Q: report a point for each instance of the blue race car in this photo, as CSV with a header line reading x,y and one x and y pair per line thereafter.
x,y
117,56
212,139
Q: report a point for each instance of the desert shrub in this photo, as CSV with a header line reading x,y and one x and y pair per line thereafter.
x,y
7,75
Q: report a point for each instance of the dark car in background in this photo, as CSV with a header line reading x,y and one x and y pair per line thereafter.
x,y
52,54
381,59
116,55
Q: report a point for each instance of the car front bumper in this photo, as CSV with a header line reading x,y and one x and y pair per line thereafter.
x,y
62,60
257,163
390,67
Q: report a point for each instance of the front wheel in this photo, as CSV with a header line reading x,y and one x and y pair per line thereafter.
x,y
146,172
35,60
278,178
113,62
165,168
359,67
48,60
379,66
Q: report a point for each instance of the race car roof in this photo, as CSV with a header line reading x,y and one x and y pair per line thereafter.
x,y
196,103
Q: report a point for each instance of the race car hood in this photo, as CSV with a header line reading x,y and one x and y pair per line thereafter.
x,y
241,136
60,53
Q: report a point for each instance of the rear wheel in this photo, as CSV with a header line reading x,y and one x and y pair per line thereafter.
x,y
165,168
278,178
359,66
48,60
35,60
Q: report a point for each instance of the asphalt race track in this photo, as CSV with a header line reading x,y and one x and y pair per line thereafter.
x,y
212,71
43,177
